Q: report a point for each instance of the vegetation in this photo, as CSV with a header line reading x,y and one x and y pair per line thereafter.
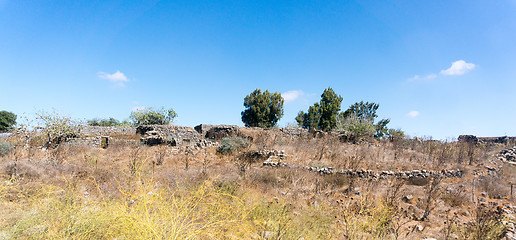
x,y
366,112
150,116
132,191
7,120
56,127
111,122
230,145
322,115
355,127
262,109
5,148
356,122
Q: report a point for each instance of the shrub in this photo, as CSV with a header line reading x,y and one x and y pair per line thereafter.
x,y
149,116
5,148
367,111
56,127
354,127
231,145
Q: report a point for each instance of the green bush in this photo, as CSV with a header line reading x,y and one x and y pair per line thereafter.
x,y
231,145
149,116
5,148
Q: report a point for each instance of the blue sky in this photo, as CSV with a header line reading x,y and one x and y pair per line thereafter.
x,y
437,68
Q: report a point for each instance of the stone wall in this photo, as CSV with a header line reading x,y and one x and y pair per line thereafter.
x,y
91,131
475,139
96,142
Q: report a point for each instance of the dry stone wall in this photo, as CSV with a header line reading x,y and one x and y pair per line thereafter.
x,y
91,131
475,139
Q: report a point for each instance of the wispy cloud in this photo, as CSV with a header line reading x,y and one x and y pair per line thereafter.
x,y
118,78
417,77
413,114
458,68
292,95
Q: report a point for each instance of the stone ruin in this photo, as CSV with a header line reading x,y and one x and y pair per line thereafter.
x,y
217,132
508,155
475,139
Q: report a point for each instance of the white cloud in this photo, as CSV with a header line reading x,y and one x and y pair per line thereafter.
x,y
417,77
118,78
458,68
290,96
413,114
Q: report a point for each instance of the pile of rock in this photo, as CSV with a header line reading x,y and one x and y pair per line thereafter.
x,y
272,163
295,132
385,174
508,155
321,170
275,158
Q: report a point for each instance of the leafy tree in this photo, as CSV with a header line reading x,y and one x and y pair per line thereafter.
x,y
111,122
367,111
7,120
363,110
262,109
149,116
322,115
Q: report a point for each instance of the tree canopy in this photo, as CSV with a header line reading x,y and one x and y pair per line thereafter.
x,y
7,120
322,115
262,109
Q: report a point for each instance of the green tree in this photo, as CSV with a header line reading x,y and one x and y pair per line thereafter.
x,y
322,115
329,109
7,120
150,116
262,109
363,110
367,111
310,119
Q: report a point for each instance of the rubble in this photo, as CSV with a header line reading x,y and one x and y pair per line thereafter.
x,y
508,155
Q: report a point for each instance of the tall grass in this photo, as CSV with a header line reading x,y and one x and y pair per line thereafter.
x,y
149,210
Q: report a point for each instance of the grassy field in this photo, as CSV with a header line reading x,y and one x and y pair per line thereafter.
x,y
128,191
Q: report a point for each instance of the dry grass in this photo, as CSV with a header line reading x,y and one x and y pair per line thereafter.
x,y
136,192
